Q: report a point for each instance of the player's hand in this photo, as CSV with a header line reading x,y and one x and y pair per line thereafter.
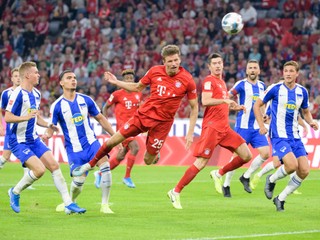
x,y
54,128
45,137
189,141
263,130
305,132
314,125
108,76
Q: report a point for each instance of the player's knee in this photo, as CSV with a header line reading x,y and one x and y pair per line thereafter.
x,y
39,171
79,181
134,151
265,155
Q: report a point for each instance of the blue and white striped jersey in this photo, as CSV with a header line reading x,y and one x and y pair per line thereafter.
x,y
4,101
74,120
21,102
247,96
285,107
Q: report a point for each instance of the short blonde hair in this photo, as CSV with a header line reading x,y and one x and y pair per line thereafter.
x,y
26,66
292,63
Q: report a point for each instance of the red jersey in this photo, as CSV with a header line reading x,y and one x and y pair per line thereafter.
x,y
217,116
126,104
166,92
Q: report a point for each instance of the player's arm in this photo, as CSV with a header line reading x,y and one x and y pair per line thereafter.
x,y
303,125
43,123
192,121
308,118
105,109
133,87
207,100
258,115
9,117
105,123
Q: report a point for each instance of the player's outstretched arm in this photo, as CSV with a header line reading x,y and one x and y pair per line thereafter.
x,y
308,118
257,113
129,86
192,121
105,124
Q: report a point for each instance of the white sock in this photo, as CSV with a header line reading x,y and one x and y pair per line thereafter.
x,y
267,168
25,182
293,184
3,160
76,187
61,186
228,178
106,182
280,173
256,163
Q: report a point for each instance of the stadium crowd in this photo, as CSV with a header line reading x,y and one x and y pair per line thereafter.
x,y
91,36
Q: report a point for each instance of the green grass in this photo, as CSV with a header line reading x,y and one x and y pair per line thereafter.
x,y
146,212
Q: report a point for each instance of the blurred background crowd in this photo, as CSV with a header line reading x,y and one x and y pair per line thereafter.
x,y
92,36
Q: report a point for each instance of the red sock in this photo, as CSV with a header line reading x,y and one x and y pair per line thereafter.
x,y
130,161
190,174
232,165
103,151
113,163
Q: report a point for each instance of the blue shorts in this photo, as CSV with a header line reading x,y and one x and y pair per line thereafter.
x,y
6,143
77,159
253,137
282,146
23,151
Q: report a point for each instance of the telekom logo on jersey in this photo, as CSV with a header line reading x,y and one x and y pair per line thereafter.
x,y
128,104
161,90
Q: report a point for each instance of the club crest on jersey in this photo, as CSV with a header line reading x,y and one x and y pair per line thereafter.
x,y
207,151
126,126
255,97
290,106
77,119
178,84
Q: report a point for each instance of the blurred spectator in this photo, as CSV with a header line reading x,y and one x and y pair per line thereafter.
x,y
249,14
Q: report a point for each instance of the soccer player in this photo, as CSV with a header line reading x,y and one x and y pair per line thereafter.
x,y
169,83
215,131
3,104
287,99
126,104
22,117
72,111
248,90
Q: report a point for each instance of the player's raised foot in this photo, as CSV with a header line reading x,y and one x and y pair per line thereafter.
x,y
79,171
14,200
226,191
217,181
74,208
269,187
246,183
105,208
128,182
296,192
97,179
279,204
175,199
157,158
254,182
60,207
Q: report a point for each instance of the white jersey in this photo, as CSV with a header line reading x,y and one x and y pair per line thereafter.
x,y
285,107
74,119
22,102
247,93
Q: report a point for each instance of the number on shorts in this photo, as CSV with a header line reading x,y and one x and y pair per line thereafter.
x,y
157,143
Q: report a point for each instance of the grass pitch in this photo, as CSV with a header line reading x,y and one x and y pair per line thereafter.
x,y
146,212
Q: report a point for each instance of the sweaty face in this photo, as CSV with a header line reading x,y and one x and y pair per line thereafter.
x,y
172,64
290,74
253,71
216,66
69,81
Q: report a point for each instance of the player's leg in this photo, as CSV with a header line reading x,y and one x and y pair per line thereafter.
x,y
37,169
227,181
106,182
5,157
60,182
131,157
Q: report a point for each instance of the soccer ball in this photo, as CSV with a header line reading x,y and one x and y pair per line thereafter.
x,y
232,23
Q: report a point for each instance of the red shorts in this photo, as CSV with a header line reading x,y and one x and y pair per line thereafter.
x,y
157,131
210,138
